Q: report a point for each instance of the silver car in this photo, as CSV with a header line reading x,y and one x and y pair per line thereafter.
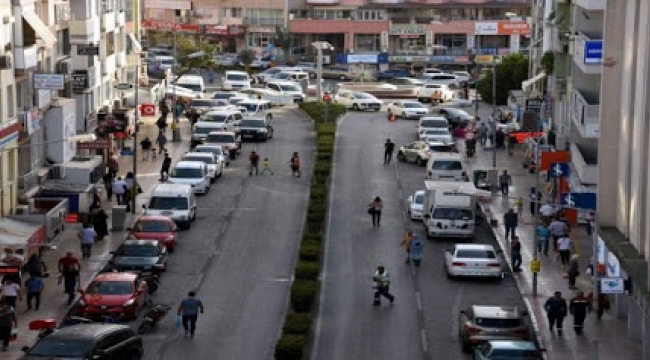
x,y
216,150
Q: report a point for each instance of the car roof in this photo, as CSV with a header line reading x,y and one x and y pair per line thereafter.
x,y
140,242
284,82
154,217
221,133
419,192
116,276
189,164
236,72
411,102
254,101
496,311
208,124
448,156
433,118
474,247
189,77
168,189
198,154
228,111
86,331
208,146
513,344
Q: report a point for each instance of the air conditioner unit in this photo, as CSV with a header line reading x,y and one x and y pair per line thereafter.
x,y
57,172
6,62
64,67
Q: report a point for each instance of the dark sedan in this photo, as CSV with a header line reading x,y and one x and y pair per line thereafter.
x,y
147,256
392,73
454,115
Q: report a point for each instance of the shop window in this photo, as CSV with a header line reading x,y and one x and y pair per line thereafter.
x,y
368,42
63,43
259,39
233,12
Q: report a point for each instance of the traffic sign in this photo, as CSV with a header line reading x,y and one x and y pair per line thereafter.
x,y
580,200
612,285
327,98
123,86
88,50
559,170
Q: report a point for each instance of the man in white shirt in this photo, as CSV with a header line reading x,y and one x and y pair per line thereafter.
x,y
119,186
558,229
547,211
564,248
11,292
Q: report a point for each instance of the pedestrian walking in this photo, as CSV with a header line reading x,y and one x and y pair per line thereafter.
x,y
113,166
415,250
108,185
34,287
579,307
162,120
100,224
515,254
564,249
406,244
603,305
510,221
557,228
87,237
482,134
69,263
164,168
556,310
382,285
189,312
519,206
118,190
127,198
374,209
543,238
535,199
505,181
71,280
294,163
389,148
7,319
146,148
35,265
10,291
254,161
573,272
266,166
161,140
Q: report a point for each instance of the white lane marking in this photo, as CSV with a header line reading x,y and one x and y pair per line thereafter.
x,y
423,338
418,301
455,310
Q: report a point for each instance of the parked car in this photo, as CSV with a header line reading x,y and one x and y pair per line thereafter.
x,y
216,150
508,349
87,341
473,260
455,116
432,122
442,79
436,135
236,80
204,105
155,227
114,294
356,100
267,74
146,256
462,76
479,324
433,92
391,74
416,152
339,72
223,96
256,129
229,140
288,88
407,109
193,173
416,205
405,83
226,60
214,165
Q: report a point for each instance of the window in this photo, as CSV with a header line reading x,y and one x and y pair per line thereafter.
x,y
455,44
260,39
110,43
232,12
264,17
369,15
63,43
368,42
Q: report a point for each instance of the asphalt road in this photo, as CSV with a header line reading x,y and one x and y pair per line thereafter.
x,y
239,255
423,321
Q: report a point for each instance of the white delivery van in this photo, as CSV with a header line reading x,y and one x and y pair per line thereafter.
x,y
175,201
236,80
192,82
446,167
450,209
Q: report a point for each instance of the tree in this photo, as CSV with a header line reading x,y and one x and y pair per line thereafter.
x,y
281,38
246,57
510,72
548,62
187,46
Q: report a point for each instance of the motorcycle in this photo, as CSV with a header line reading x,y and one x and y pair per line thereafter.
x,y
152,318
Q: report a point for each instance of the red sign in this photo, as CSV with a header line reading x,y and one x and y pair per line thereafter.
x,y
236,30
98,144
9,132
327,98
216,29
513,28
167,26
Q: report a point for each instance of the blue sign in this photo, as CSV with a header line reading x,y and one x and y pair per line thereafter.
x,y
593,52
362,58
580,200
443,59
559,170
487,51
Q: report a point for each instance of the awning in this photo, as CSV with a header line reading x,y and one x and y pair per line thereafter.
x,y
526,84
40,28
136,47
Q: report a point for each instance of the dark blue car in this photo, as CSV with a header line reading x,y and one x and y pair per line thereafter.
x,y
392,73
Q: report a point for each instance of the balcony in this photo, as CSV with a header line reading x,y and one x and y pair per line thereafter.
x,y
591,5
108,21
251,21
586,168
120,18
588,54
25,57
322,2
84,28
585,115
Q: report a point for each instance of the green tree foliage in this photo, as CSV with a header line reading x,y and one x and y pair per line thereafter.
x,y
281,38
510,72
186,46
246,57
548,62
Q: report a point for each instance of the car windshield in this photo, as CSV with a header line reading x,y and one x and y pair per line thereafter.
x,y
187,173
110,288
498,323
282,75
512,354
203,130
419,199
271,71
437,132
193,87
475,254
252,123
414,106
221,138
290,87
203,103
168,203
448,165
453,214
249,107
434,124
237,77
138,250
364,96
214,118
441,148
152,226
57,347
222,96
204,159
215,150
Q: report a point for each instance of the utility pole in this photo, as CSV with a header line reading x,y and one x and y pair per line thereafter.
x,y
176,135
476,53
494,113
135,134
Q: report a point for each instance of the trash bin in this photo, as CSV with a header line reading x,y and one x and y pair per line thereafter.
x,y
118,217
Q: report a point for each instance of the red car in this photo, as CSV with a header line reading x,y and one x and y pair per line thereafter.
x,y
155,227
120,294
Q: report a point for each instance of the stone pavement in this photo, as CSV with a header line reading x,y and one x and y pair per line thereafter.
x,y
603,339
54,300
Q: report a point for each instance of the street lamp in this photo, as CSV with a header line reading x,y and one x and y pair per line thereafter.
x,y
320,46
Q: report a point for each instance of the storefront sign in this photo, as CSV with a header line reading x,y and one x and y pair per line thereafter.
x,y
168,26
513,28
401,59
484,59
613,266
215,29
443,59
98,144
8,131
362,58
486,28
111,124
84,79
408,29
612,285
593,52
236,30
49,81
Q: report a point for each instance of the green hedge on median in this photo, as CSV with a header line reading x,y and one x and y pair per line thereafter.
x,y
290,347
298,324
310,251
307,270
303,295
316,110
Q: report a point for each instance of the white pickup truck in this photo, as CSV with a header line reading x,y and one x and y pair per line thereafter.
x,y
438,93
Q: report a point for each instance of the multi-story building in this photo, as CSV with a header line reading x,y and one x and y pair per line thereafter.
x,y
623,168
9,126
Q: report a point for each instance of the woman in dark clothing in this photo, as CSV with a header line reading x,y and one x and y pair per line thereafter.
x,y
100,223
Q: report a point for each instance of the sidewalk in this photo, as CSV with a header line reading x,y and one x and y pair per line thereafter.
x,y
53,299
604,339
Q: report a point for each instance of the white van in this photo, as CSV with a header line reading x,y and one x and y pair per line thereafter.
x,y
446,167
448,211
194,173
257,108
288,88
201,129
236,80
192,82
175,201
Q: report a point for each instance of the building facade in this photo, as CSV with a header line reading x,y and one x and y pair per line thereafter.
x,y
9,126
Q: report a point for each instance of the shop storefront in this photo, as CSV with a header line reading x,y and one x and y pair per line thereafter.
x,y
410,39
230,37
500,37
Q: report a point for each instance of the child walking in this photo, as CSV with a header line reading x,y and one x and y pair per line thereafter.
x,y
266,166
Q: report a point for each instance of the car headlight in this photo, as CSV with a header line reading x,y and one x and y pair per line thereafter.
x,y
263,130
131,302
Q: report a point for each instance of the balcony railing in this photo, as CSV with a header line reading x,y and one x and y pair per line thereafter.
x,y
585,115
387,1
586,168
588,54
253,21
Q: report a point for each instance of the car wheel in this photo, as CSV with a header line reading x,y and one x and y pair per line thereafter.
x,y
401,157
214,179
188,225
355,107
376,110
422,100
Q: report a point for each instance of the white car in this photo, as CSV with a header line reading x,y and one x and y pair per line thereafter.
x,y
416,205
267,74
216,150
236,80
417,152
287,88
212,163
432,122
462,76
475,260
193,173
439,135
435,92
358,100
407,109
